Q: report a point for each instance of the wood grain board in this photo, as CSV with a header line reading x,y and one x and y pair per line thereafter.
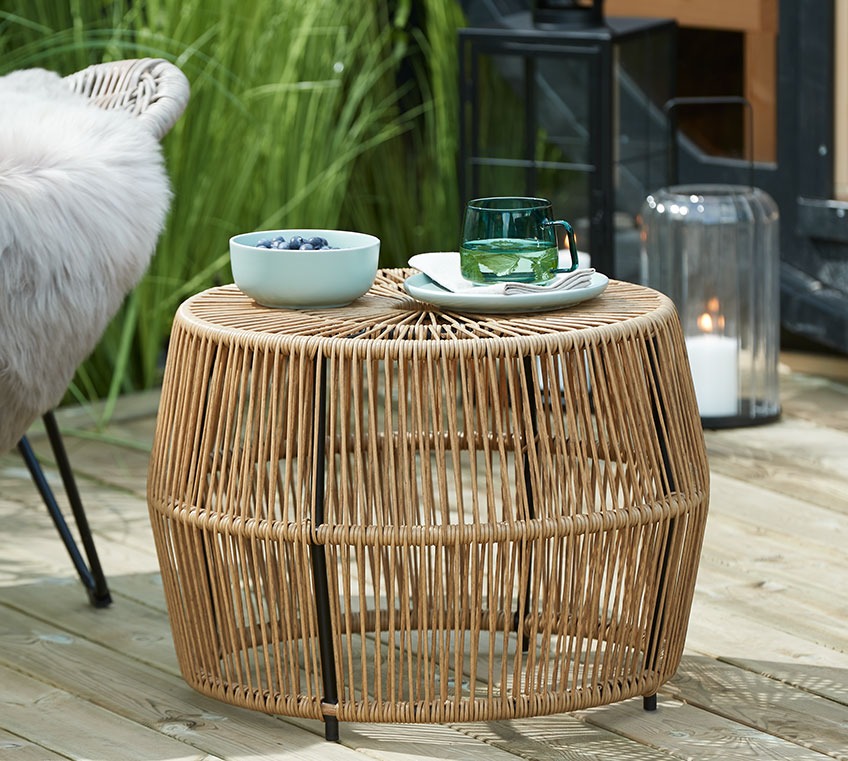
x,y
764,675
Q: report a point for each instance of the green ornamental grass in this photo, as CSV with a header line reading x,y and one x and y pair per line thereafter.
x,y
301,115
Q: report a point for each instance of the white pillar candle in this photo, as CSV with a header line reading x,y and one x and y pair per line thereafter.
x,y
714,362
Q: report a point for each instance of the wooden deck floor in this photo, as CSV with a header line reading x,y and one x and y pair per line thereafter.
x,y
765,674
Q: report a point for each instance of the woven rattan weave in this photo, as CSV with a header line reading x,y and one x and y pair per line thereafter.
x,y
152,89
389,512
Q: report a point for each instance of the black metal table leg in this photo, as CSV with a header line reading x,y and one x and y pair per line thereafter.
x,y
649,702
91,574
319,573
529,377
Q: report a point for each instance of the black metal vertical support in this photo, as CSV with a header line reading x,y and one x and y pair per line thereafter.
x,y
790,74
90,574
530,125
649,702
464,151
658,69
814,88
518,624
475,122
469,121
602,182
319,569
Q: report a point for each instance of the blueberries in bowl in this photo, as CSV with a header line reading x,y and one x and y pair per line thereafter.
x,y
296,243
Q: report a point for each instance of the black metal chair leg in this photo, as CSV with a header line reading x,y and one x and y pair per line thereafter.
x,y
649,702
91,574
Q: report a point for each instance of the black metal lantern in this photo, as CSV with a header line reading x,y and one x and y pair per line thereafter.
x,y
555,104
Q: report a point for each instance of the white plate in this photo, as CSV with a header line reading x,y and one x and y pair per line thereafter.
x,y
421,287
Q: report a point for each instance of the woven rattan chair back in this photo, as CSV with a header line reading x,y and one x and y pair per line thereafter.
x,y
153,89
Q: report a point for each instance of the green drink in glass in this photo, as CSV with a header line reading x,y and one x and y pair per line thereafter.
x,y
512,239
514,259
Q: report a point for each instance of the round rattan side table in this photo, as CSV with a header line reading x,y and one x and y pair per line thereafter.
x,y
390,512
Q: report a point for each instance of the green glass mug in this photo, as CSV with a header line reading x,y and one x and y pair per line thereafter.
x,y
512,239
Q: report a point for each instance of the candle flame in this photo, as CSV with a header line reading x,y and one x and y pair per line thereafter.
x,y
711,320
705,323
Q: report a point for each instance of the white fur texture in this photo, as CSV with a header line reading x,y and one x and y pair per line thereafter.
x,y
83,198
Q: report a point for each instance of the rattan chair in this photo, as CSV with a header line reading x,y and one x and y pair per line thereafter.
x,y
156,92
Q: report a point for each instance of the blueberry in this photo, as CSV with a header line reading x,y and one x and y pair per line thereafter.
x,y
279,239
264,243
307,247
295,241
317,241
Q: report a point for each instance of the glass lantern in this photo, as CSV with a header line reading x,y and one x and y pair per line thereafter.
x,y
714,250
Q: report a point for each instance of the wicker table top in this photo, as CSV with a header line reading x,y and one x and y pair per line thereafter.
x,y
388,313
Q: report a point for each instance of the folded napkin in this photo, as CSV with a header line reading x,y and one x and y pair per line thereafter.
x,y
442,267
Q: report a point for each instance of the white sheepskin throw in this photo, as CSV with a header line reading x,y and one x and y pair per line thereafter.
x,y
83,198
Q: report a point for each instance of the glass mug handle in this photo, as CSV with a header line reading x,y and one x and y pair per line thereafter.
x,y
572,243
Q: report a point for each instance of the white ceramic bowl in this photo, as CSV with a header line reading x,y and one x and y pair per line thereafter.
x,y
305,279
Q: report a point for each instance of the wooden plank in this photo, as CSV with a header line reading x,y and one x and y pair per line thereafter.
x,y
45,559
760,61
774,566
769,576
830,683
802,545
754,15
815,366
781,710
721,629
101,461
150,697
78,730
822,450
688,732
140,405
15,748
144,588
771,608
791,457
138,631
817,400
561,738
112,513
119,521
761,510
419,742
